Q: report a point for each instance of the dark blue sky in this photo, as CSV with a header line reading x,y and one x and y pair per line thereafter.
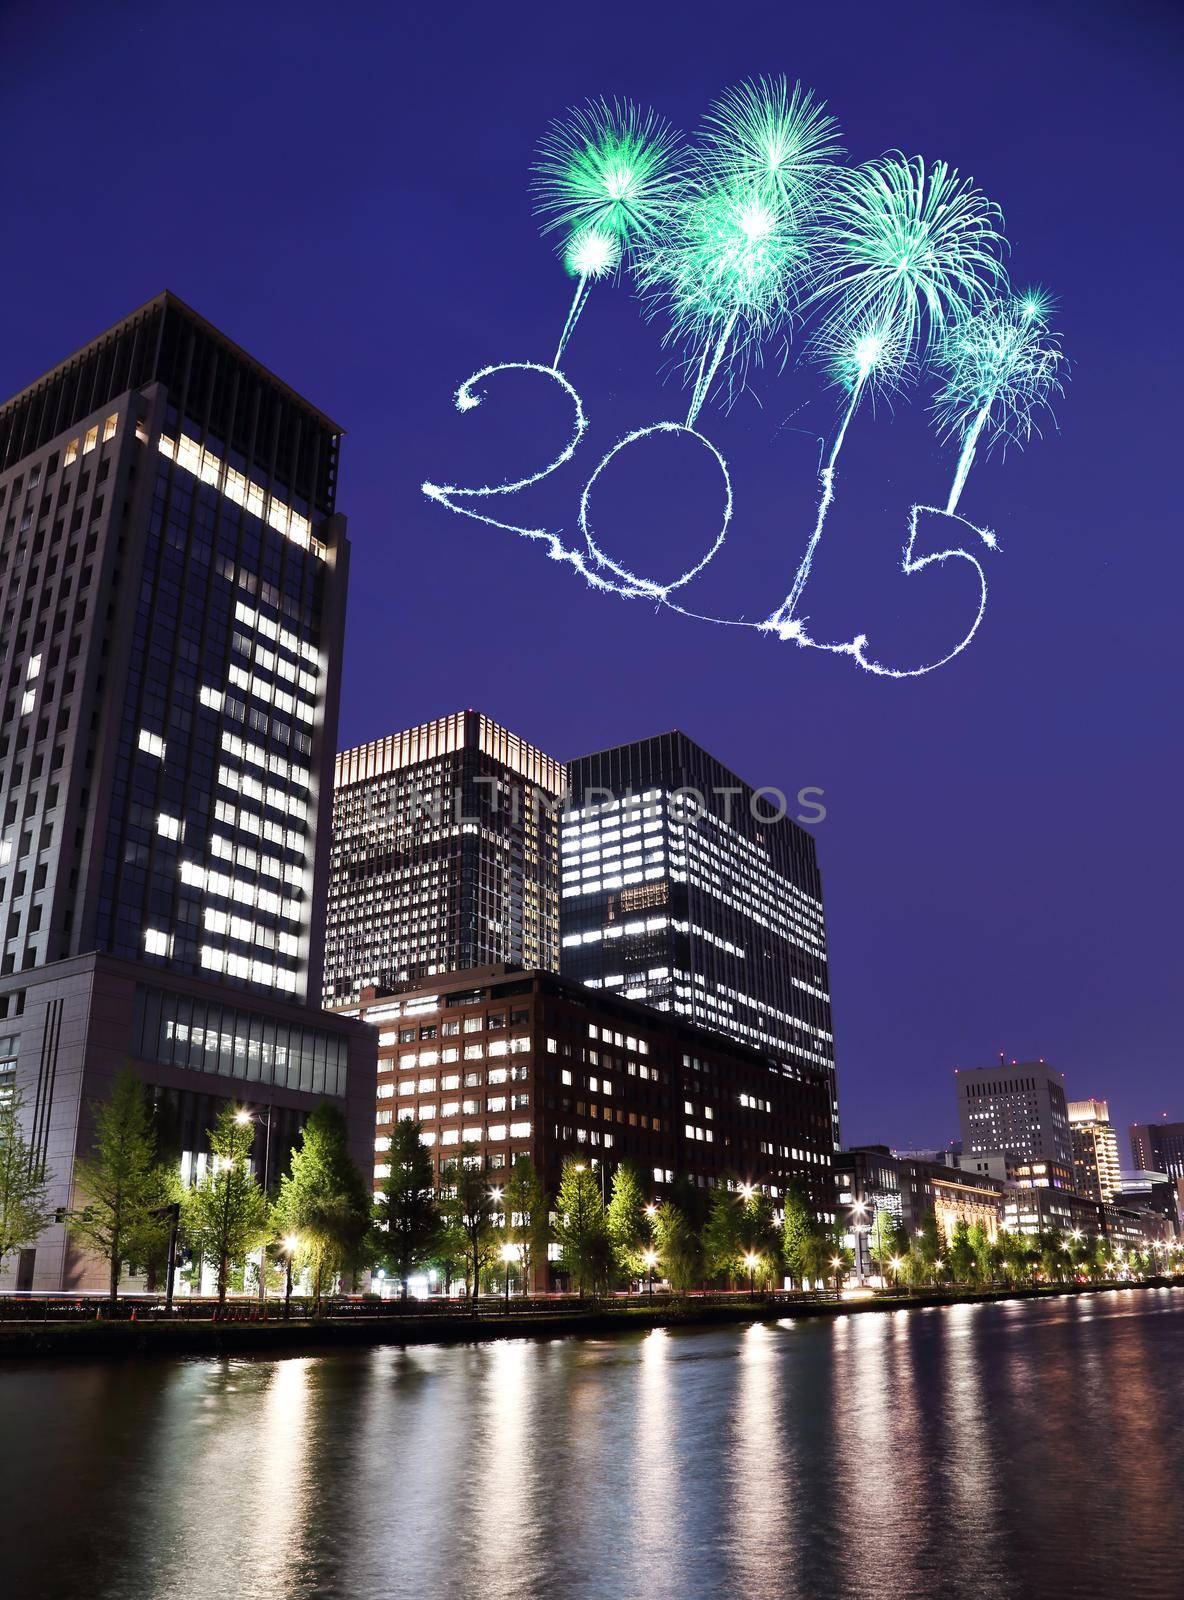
x,y
343,190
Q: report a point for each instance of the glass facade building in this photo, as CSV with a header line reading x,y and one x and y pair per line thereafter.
x,y
445,856
172,590
686,889
173,587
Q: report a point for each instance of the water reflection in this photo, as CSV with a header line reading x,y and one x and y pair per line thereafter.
x,y
1000,1451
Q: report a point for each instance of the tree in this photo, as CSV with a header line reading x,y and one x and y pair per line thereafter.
x,y
760,1237
963,1256
470,1209
23,1212
927,1246
117,1181
797,1236
680,1258
323,1202
406,1213
527,1224
585,1251
628,1225
722,1243
226,1215
887,1241
981,1247
450,1255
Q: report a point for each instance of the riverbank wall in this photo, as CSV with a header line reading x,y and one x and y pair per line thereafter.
x,y
121,1340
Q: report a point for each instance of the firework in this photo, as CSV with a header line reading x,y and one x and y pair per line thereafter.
x,y
1000,365
778,142
736,262
905,249
607,178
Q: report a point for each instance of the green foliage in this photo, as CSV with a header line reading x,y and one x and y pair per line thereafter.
x,y
581,1228
23,1212
226,1215
629,1229
962,1255
680,1257
323,1202
117,1183
407,1215
799,1232
888,1242
469,1210
527,1223
722,1247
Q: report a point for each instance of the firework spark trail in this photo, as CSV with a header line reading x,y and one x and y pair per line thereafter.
x,y
1001,365
758,229
607,176
903,250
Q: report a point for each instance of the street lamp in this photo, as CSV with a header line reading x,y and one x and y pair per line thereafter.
x,y
858,1209
650,1257
244,1117
751,1262
895,1263
509,1253
837,1264
747,1190
291,1244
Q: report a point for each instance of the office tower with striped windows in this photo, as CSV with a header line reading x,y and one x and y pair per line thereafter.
x,y
1095,1149
686,889
445,856
172,593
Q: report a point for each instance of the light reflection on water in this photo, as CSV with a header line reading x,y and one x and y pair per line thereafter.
x,y
997,1451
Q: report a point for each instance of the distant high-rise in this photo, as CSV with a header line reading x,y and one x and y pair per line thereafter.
x,y
1018,1109
172,592
1159,1147
686,889
1095,1149
445,856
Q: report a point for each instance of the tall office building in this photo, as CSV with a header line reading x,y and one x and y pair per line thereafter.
x,y
1095,1149
172,589
686,889
445,856
1159,1147
1018,1110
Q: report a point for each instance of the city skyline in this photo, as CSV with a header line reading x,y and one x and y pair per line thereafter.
x,y
970,901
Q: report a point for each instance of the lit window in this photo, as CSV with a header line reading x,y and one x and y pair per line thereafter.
x,y
27,700
169,827
92,438
151,743
158,943
33,668
110,426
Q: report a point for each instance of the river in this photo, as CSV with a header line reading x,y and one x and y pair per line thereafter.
x,y
1007,1450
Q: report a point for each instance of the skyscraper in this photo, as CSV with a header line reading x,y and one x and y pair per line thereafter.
x,y
172,590
445,856
1018,1110
1159,1147
1095,1149
172,596
688,890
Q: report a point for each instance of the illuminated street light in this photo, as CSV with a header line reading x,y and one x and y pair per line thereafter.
x,y
751,1262
291,1243
650,1257
509,1253
747,1190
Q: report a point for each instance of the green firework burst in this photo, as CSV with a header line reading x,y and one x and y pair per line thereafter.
x,y
610,167
904,246
777,141
1000,361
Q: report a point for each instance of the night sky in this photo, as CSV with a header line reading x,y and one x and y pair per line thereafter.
x,y
343,190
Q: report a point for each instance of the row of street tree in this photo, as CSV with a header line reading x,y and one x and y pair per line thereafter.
x,y
324,1227
129,1199
490,1236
